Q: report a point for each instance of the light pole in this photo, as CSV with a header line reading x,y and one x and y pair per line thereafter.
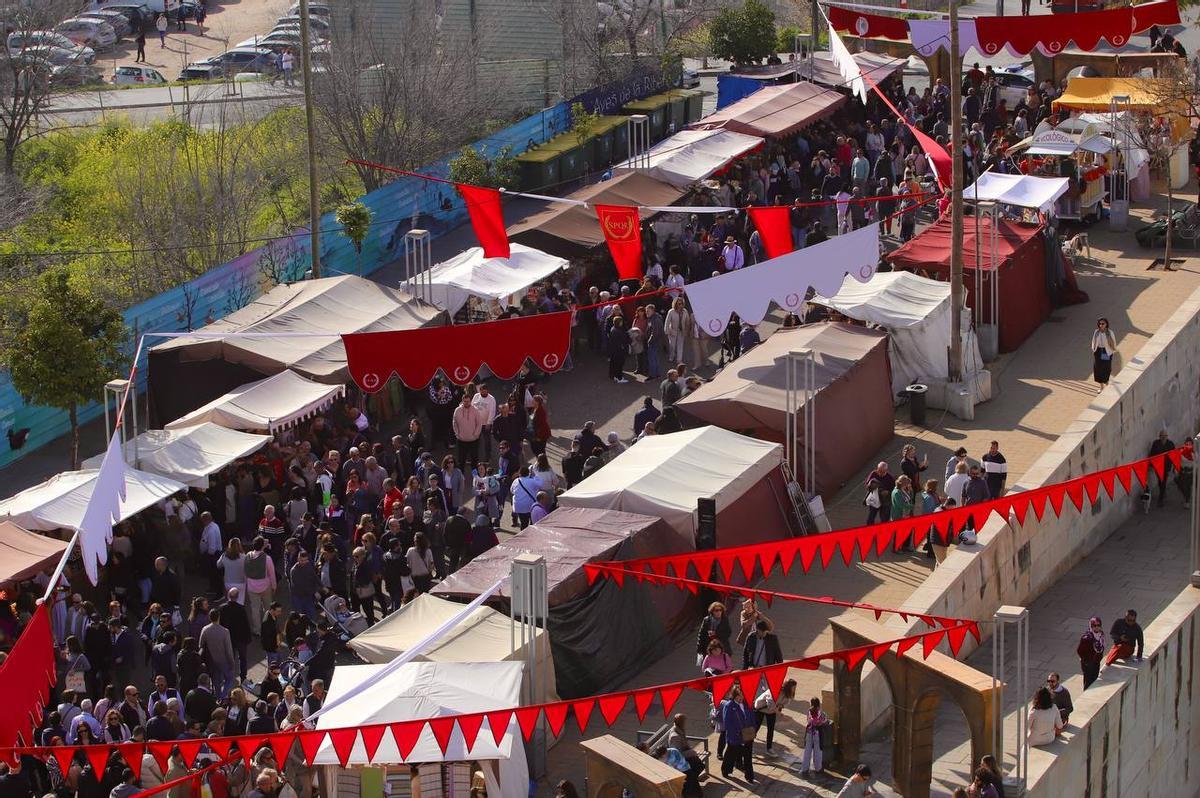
x,y
314,202
956,201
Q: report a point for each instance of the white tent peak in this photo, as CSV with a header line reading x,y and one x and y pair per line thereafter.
x,y
469,274
61,501
188,454
277,402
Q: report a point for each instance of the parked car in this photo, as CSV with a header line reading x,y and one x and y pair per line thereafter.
x,y
689,79
137,76
140,16
314,9
21,42
290,29
201,71
185,10
1012,86
42,57
316,23
118,21
89,32
75,74
243,59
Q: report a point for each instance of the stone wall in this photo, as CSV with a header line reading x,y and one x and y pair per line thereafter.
x,y
1012,564
1132,730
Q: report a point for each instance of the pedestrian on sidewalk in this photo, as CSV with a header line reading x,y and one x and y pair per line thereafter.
x,y
141,47
289,66
996,468
161,25
1104,349
738,721
816,721
1163,444
1091,651
768,708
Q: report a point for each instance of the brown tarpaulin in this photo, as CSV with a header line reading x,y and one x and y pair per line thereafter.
x,y
775,111
23,553
591,653
186,373
569,230
854,412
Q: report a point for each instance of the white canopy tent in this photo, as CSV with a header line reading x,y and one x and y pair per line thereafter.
x,y
273,404
690,156
470,274
1023,191
60,502
1121,126
664,475
484,636
188,454
428,690
915,311
1050,140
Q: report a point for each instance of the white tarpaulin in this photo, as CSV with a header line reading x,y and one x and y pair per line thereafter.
x,y
915,311
663,475
484,636
690,156
1050,140
1024,191
429,690
784,280
275,403
471,274
62,500
188,454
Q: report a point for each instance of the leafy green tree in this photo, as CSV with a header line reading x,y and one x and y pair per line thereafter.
x,y
583,122
66,348
744,35
355,219
787,38
473,168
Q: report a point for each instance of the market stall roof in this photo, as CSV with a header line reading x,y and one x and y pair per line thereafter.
x,y
470,274
276,403
775,111
23,554
428,690
188,454
60,502
1064,140
483,636
663,475
875,65
1096,94
690,156
931,249
568,229
1023,191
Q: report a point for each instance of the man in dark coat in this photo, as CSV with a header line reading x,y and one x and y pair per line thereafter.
x,y
233,618
762,648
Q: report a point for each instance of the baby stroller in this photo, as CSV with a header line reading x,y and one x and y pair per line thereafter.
x,y
349,624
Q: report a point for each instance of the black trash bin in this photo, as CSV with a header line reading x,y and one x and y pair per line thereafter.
x,y
916,404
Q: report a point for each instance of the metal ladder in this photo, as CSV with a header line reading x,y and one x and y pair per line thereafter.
x,y
803,513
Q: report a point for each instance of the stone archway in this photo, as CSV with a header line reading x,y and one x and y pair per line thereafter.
x,y
917,687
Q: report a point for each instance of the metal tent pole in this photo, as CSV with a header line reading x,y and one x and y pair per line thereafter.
x,y
1018,616
529,607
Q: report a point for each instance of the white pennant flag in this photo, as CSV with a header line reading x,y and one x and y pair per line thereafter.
x,y
847,66
103,509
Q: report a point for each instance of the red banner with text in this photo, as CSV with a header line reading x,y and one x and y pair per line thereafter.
x,y
623,232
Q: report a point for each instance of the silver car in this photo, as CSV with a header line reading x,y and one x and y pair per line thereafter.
x,y
89,32
22,42
120,22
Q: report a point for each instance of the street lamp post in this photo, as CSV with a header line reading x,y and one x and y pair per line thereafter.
x,y
314,201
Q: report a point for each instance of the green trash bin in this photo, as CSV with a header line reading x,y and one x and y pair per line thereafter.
x,y
693,101
602,146
538,169
572,156
656,109
618,128
676,110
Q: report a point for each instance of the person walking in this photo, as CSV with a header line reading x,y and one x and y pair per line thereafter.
x,y
1091,651
161,25
288,64
141,47
768,708
738,722
678,326
996,468
1104,349
1162,444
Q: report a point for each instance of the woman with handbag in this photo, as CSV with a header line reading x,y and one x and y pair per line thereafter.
x,y
362,577
78,665
738,721
1104,349
768,708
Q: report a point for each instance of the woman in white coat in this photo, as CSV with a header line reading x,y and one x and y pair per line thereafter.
x,y
678,326
1104,349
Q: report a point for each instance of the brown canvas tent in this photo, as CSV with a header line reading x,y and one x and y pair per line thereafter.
x,y
23,553
775,111
570,230
591,653
854,412
187,372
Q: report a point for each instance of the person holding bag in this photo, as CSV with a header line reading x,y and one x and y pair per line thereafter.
x,y
738,721
1104,349
75,678
767,708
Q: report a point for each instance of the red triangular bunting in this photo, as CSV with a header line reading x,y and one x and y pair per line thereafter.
x,y
1057,494
1158,463
611,706
189,749
1038,500
527,718
1019,507
470,725
974,629
248,747
774,228
132,754
955,636
1176,458
746,561
879,650
905,644
669,695
592,573
829,545
1141,470
98,756
487,219
222,745
787,557
406,735
1091,485
642,700
930,641
1074,491
845,544
372,736
720,687
1125,474
749,684
854,656
281,744
704,566
617,576
63,754
865,538
310,743
1108,480
583,712
556,716
725,563
807,549
442,729
775,676
498,723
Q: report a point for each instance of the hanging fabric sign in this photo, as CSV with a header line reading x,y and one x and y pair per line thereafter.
x,y
774,227
867,26
458,350
784,280
487,219
623,232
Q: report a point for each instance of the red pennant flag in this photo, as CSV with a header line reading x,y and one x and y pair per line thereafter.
x,y
248,747
1159,463
98,756
161,753
623,231
749,684
1091,484
930,640
63,754
372,736
865,538
642,699
281,745
1125,474
487,219
1075,493
746,561
527,718
222,745
611,706
556,716
310,743
443,729
132,754
591,572
1057,496
810,664
343,743
905,644
974,629
775,229
669,695
1141,470
725,563
829,546
406,735
854,656
1038,500
878,651
1108,478
498,722
766,561
704,566
845,544
189,749
470,725
775,677
955,636
583,712
787,556
807,548
720,687
1020,507
618,576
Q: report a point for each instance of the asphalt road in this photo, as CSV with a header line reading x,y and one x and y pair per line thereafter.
x,y
205,103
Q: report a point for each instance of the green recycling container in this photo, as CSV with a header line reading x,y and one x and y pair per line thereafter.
x,y
676,111
573,157
694,102
538,168
602,146
656,108
618,128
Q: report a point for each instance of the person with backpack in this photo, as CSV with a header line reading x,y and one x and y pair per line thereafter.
x,y
260,578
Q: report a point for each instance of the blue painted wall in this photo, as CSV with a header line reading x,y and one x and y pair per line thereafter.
x,y
232,285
